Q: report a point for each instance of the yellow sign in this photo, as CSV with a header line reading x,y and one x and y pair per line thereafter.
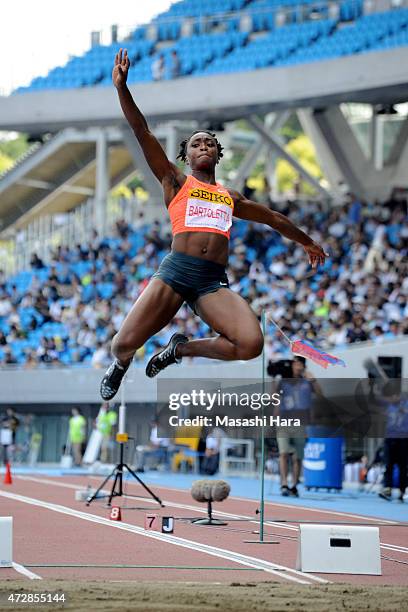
x,y
122,437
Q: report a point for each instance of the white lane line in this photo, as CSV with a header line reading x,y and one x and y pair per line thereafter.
x,y
167,503
256,522
334,512
26,572
48,481
287,506
394,547
287,526
397,547
272,568
172,504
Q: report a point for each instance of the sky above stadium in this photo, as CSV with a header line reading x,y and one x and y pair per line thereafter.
x,y
37,35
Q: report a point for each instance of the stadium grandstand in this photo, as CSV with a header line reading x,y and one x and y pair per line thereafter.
x,y
238,36
59,310
75,258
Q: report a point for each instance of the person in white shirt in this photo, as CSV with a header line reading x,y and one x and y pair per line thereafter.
x,y
86,337
174,65
374,256
158,68
5,307
100,357
158,449
211,461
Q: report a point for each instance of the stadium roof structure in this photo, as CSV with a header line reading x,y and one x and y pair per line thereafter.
x,y
60,174
71,167
63,172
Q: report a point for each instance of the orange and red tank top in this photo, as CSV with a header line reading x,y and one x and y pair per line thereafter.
x,y
200,207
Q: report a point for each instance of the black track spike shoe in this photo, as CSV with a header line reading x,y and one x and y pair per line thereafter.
x,y
166,356
112,379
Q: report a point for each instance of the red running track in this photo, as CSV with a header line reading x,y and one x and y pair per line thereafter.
x,y
50,527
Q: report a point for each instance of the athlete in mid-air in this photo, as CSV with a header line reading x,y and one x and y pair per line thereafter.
x,y
201,212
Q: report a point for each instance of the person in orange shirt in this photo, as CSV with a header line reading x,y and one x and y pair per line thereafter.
x,y
201,212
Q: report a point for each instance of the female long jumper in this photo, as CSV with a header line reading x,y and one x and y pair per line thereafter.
x,y
201,212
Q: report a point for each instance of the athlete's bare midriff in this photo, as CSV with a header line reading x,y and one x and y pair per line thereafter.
x,y
206,245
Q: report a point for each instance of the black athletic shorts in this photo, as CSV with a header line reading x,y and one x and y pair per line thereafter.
x,y
191,277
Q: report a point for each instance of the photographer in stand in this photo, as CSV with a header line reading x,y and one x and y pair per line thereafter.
x,y
387,395
296,387
395,441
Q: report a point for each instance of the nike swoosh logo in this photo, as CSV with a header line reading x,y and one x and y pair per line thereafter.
x,y
224,284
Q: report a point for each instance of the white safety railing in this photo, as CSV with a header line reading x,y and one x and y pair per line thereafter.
x,y
44,234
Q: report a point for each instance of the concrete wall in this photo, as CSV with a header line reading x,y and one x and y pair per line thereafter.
x,y
357,353
81,385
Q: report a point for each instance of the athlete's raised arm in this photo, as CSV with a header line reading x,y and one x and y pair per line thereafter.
x,y
259,213
157,159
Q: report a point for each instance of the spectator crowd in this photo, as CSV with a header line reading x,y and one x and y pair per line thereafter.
x,y
67,309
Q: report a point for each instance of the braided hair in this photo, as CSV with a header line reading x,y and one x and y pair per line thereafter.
x,y
183,145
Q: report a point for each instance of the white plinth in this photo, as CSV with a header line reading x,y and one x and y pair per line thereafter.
x,y
6,541
339,549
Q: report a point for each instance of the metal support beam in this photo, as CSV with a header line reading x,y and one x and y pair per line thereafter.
x,y
399,144
327,160
357,170
27,182
172,142
249,161
373,133
102,181
86,191
368,179
273,123
271,161
273,144
47,186
152,184
345,149
376,140
398,159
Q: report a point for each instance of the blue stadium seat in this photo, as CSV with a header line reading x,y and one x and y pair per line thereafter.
x,y
308,37
105,290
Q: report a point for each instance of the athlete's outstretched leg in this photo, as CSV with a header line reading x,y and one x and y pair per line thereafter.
x,y
152,311
227,313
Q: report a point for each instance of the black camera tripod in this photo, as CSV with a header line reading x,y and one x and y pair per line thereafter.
x,y
117,472
117,487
